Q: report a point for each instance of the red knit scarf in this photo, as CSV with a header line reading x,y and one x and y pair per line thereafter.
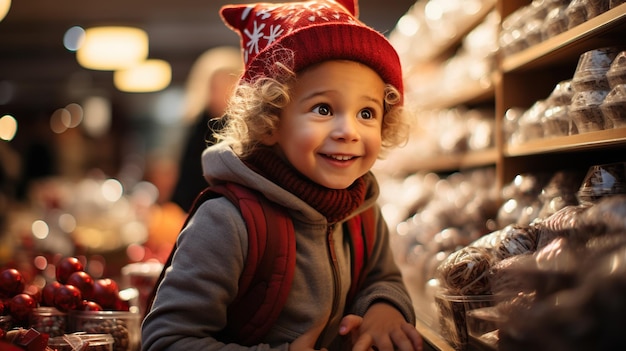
x,y
334,204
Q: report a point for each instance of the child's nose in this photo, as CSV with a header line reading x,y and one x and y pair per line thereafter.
x,y
346,129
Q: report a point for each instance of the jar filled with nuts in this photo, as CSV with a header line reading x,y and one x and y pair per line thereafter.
x,y
48,320
124,326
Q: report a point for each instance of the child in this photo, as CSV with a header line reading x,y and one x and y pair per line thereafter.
x,y
319,99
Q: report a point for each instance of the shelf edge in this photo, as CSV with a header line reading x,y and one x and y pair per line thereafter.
x,y
585,141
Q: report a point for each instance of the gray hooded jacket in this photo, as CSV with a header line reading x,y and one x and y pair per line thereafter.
x,y
190,306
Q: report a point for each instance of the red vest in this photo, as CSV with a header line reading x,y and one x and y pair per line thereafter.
x,y
268,272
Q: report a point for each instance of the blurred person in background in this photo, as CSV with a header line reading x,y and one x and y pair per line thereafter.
x,y
210,82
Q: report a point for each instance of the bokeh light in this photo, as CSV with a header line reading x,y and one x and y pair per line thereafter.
x,y
97,115
5,5
40,229
112,190
76,114
67,222
59,120
40,262
74,38
148,76
8,127
112,48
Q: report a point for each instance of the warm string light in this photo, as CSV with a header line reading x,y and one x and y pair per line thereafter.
x,y
5,5
125,51
148,76
112,48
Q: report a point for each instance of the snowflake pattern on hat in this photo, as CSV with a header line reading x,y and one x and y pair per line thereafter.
x,y
267,24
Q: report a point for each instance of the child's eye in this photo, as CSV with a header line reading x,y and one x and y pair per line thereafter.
x,y
366,114
322,109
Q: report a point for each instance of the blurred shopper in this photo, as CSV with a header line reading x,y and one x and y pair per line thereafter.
x,y
210,82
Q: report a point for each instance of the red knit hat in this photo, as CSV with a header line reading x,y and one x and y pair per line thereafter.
x,y
300,34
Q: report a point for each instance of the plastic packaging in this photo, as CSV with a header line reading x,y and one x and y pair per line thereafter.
x,y
596,7
466,271
530,127
615,3
602,181
562,93
482,325
576,13
585,110
556,22
557,121
608,215
82,342
590,73
453,315
617,71
141,276
613,106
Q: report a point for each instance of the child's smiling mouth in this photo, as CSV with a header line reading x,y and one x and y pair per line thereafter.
x,y
340,157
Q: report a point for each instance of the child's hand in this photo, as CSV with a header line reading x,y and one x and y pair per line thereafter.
x,y
383,328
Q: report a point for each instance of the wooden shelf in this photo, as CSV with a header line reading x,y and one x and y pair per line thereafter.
x,y
603,30
579,142
432,337
471,94
445,163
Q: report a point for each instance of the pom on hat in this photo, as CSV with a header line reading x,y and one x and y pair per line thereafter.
x,y
300,34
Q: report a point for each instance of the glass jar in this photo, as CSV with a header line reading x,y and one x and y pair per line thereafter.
x,y
124,326
84,342
6,322
48,320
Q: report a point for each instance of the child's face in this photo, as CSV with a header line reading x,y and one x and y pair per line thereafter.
x,y
331,129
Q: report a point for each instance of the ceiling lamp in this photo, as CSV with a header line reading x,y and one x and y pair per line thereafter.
x,y
112,48
4,8
148,76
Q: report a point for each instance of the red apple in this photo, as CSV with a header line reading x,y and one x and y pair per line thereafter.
x,y
67,297
66,267
83,281
11,282
47,294
90,306
21,305
106,293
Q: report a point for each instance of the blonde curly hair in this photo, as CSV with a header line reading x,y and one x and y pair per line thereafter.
x,y
254,109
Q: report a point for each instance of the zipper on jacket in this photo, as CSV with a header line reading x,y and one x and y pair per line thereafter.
x,y
336,281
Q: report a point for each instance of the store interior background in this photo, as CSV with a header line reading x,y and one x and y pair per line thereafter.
x,y
474,167
38,75
110,173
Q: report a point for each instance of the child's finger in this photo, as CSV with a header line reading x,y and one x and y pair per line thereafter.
x,y
364,343
350,323
414,336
